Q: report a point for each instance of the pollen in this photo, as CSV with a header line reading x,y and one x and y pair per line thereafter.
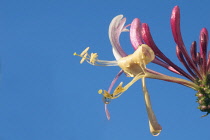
x,y
83,58
118,90
85,51
93,58
100,91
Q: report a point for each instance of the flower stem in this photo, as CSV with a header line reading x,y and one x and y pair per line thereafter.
x,y
160,76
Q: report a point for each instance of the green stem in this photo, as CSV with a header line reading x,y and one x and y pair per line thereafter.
x,y
172,79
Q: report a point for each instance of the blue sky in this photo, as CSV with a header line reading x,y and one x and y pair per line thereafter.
x,y
45,94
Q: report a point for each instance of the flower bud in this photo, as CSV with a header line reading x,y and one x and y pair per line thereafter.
x,y
203,107
200,95
200,101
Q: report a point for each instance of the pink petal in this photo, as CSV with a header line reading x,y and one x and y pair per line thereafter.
x,y
135,33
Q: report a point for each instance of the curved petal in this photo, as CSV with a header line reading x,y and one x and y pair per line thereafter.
x,y
176,31
115,28
107,112
109,90
155,127
203,48
116,54
147,37
135,33
175,26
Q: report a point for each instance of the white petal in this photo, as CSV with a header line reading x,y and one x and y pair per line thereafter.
x,y
116,54
155,127
115,28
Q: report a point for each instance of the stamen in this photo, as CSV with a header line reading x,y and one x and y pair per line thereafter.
x,y
83,58
119,90
105,93
85,51
93,59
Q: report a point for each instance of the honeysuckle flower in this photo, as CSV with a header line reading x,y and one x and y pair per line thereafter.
x,y
196,63
133,65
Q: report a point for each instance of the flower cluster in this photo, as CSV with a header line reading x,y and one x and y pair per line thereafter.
x,y
197,64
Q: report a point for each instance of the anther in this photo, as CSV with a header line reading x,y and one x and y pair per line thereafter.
x,y
83,58
85,51
100,91
93,57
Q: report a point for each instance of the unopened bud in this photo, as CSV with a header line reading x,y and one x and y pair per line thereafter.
x,y
203,107
200,95
200,101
